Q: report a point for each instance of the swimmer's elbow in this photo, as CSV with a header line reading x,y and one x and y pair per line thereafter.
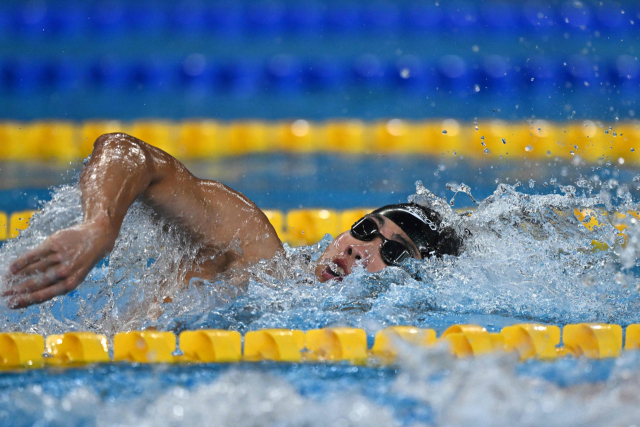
x,y
116,140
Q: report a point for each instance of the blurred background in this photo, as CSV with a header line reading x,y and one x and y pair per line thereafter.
x,y
323,104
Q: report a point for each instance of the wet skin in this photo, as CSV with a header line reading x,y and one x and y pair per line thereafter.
x,y
230,230
345,251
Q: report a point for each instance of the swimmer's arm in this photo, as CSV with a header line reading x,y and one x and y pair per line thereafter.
x,y
122,169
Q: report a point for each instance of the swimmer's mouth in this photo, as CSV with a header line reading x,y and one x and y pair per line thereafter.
x,y
337,270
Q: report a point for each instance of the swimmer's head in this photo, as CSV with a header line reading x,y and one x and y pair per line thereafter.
x,y
388,236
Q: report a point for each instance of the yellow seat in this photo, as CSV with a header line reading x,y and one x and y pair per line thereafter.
x,y
471,340
4,230
18,350
337,344
276,218
282,345
386,341
14,143
144,347
627,137
308,226
77,348
21,141
346,137
593,340
299,136
350,216
91,130
501,139
396,136
532,340
160,134
200,139
19,221
547,140
446,139
57,140
590,139
246,137
209,345
632,337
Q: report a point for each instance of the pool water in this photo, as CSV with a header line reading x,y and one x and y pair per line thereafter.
x,y
527,259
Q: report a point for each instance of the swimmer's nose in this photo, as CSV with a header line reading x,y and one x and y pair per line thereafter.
x,y
357,253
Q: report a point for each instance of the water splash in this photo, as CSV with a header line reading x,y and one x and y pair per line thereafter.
x,y
527,257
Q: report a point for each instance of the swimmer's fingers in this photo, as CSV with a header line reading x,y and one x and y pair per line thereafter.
x,y
41,265
41,281
62,287
29,258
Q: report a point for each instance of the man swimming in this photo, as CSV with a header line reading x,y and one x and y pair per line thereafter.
x,y
230,230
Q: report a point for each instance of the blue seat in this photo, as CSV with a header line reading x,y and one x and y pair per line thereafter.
x,y
107,18
344,18
225,18
381,17
499,16
304,17
68,20
265,16
410,73
581,73
543,74
31,18
110,74
241,77
610,19
189,17
146,17
284,73
422,17
24,74
462,15
498,75
65,74
325,73
154,75
198,73
576,16
455,75
369,70
625,73
539,16
5,21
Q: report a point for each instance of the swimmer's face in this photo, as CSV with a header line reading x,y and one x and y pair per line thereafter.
x,y
345,252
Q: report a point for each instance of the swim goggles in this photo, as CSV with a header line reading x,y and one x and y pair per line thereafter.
x,y
392,252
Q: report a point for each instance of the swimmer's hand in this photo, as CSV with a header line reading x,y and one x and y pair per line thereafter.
x,y
59,265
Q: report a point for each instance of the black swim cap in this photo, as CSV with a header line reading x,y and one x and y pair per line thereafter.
x,y
423,226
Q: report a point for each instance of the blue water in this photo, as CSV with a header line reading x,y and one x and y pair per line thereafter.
x,y
120,384
528,260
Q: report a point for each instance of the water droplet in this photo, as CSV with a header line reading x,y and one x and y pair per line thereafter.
x,y
486,151
444,131
633,149
504,141
483,144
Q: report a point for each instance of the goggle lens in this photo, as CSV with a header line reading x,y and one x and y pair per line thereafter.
x,y
392,252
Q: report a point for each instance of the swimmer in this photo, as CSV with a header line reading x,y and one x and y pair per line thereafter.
x,y
231,231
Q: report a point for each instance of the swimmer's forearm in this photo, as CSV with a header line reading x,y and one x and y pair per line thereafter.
x,y
120,169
